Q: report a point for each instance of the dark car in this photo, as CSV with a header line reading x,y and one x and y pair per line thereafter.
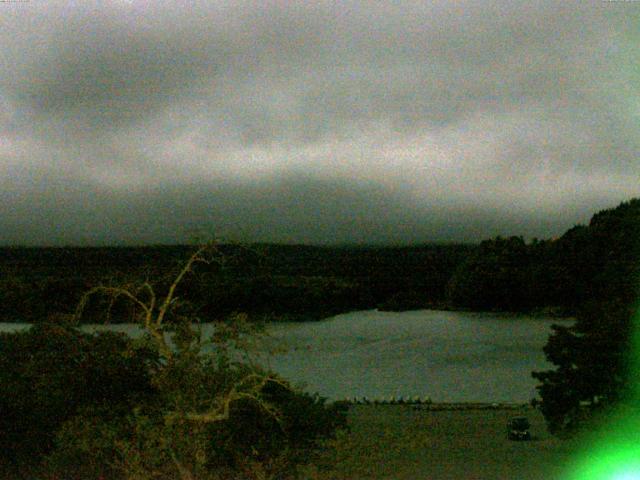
x,y
518,428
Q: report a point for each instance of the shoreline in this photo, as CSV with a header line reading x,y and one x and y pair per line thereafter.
x,y
429,405
318,316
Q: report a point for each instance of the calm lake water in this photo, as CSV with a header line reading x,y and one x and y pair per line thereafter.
x,y
449,356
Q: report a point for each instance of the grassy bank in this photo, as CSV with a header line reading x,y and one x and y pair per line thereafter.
x,y
439,442
404,442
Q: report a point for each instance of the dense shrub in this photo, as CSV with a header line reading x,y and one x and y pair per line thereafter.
x,y
251,443
277,443
268,430
51,371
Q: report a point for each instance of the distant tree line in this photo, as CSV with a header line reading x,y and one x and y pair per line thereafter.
x,y
310,282
278,281
586,264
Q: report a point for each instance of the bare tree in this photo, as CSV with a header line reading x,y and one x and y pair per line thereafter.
x,y
154,313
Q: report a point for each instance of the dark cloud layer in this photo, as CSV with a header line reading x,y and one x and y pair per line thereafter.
x,y
139,121
292,210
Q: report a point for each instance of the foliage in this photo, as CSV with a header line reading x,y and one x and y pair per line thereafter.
x,y
494,276
51,371
298,281
587,262
591,357
597,262
214,414
591,374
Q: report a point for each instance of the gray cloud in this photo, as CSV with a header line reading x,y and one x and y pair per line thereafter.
x,y
405,121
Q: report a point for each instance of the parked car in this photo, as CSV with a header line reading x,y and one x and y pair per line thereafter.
x,y
518,428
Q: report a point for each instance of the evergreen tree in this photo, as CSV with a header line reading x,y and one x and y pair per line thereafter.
x,y
592,357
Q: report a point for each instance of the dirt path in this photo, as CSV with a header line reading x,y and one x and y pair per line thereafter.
x,y
401,442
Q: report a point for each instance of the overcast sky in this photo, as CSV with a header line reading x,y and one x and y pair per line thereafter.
x,y
317,122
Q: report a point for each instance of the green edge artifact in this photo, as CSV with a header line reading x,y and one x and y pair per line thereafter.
x,y
612,452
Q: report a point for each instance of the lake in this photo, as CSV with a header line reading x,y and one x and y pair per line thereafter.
x,y
449,356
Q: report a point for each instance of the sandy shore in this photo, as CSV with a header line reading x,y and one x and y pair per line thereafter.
x,y
404,442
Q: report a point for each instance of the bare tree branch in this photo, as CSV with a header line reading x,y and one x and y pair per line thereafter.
x,y
222,411
153,321
196,257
